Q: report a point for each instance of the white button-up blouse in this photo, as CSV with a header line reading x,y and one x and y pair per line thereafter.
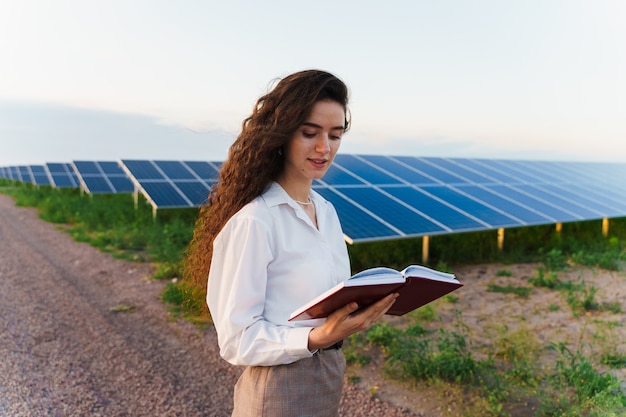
x,y
268,260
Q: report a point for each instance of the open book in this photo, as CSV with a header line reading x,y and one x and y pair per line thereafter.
x,y
416,284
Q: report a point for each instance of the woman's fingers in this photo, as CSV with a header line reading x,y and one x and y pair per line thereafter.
x,y
342,323
374,312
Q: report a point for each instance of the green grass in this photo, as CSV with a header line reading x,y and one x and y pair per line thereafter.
x,y
504,273
508,376
523,292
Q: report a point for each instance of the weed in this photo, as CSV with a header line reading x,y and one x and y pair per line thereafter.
x,y
121,308
546,281
504,273
592,391
510,289
555,260
167,270
412,353
451,298
355,351
424,314
184,299
614,360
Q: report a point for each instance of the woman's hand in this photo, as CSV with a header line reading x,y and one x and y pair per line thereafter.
x,y
342,323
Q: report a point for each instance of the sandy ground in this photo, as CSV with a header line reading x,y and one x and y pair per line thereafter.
x,y
544,317
65,351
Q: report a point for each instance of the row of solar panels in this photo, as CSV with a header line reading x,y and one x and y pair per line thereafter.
x,y
384,197
93,177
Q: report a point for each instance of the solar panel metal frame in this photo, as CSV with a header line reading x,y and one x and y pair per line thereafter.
x,y
62,175
151,179
101,177
40,175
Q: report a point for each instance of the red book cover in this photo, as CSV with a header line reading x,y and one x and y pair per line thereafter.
x,y
417,286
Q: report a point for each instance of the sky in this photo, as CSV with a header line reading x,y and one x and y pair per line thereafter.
x,y
158,79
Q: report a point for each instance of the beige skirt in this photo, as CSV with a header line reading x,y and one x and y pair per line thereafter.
x,y
310,387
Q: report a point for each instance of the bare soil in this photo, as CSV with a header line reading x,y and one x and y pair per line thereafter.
x,y
543,318
84,334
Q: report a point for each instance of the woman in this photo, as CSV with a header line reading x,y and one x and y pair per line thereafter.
x,y
270,243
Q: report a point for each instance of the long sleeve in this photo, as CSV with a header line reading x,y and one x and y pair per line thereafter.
x,y
237,297
268,260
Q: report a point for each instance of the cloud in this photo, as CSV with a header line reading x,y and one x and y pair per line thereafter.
x,y
34,133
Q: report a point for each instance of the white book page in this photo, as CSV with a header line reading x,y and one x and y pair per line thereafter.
x,y
422,271
378,275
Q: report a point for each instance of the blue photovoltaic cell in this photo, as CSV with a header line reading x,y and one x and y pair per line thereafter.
x,y
483,167
364,170
25,175
164,195
590,191
548,173
472,207
63,175
600,207
398,169
434,209
542,207
97,184
196,191
40,175
460,170
204,170
357,224
87,167
175,170
102,177
513,208
401,217
421,164
558,201
111,168
62,180
335,176
121,184
514,169
142,170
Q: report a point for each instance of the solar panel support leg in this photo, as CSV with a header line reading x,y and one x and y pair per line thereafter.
x,y
425,249
500,239
605,227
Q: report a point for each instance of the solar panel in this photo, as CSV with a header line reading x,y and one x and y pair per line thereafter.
x,y
383,197
24,174
62,175
388,197
40,175
172,184
13,173
102,177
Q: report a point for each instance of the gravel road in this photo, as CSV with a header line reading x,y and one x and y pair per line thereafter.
x,y
65,351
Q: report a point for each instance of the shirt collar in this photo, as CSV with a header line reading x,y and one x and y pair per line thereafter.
x,y
276,195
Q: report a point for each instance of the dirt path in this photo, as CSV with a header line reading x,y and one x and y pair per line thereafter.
x,y
65,352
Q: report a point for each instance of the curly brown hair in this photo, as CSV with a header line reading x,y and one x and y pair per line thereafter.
x,y
255,158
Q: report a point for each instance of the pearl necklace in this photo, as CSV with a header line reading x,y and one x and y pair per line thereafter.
x,y
304,203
